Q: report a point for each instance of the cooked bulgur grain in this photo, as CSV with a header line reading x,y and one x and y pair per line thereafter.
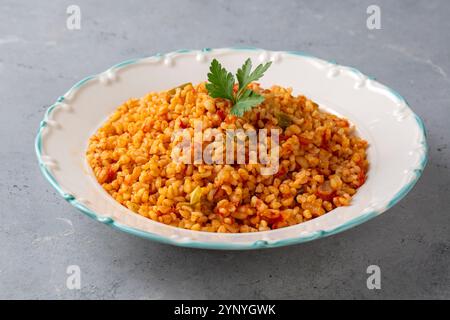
x,y
322,162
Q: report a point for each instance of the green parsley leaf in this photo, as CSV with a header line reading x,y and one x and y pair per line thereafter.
x,y
246,103
245,76
243,73
221,83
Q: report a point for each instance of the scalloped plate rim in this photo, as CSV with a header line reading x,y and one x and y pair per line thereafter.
x,y
259,244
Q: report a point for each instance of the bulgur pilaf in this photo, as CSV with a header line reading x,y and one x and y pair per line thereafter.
x,y
322,162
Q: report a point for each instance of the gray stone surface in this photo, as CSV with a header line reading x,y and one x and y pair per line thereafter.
x,y
40,234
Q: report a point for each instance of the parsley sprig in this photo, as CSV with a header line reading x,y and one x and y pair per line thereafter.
x,y
221,84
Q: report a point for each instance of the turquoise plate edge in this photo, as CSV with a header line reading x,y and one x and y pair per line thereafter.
x,y
259,244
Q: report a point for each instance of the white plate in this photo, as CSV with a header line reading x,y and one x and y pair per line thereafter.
x,y
397,151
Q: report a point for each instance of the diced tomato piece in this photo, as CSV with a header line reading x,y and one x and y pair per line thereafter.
x,y
221,114
281,172
304,141
324,143
230,119
272,222
111,175
325,192
283,137
182,125
361,177
342,123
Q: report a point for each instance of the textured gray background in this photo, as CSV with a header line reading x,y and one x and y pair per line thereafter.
x,y
40,234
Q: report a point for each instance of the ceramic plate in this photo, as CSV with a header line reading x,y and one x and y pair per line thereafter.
x,y
397,147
